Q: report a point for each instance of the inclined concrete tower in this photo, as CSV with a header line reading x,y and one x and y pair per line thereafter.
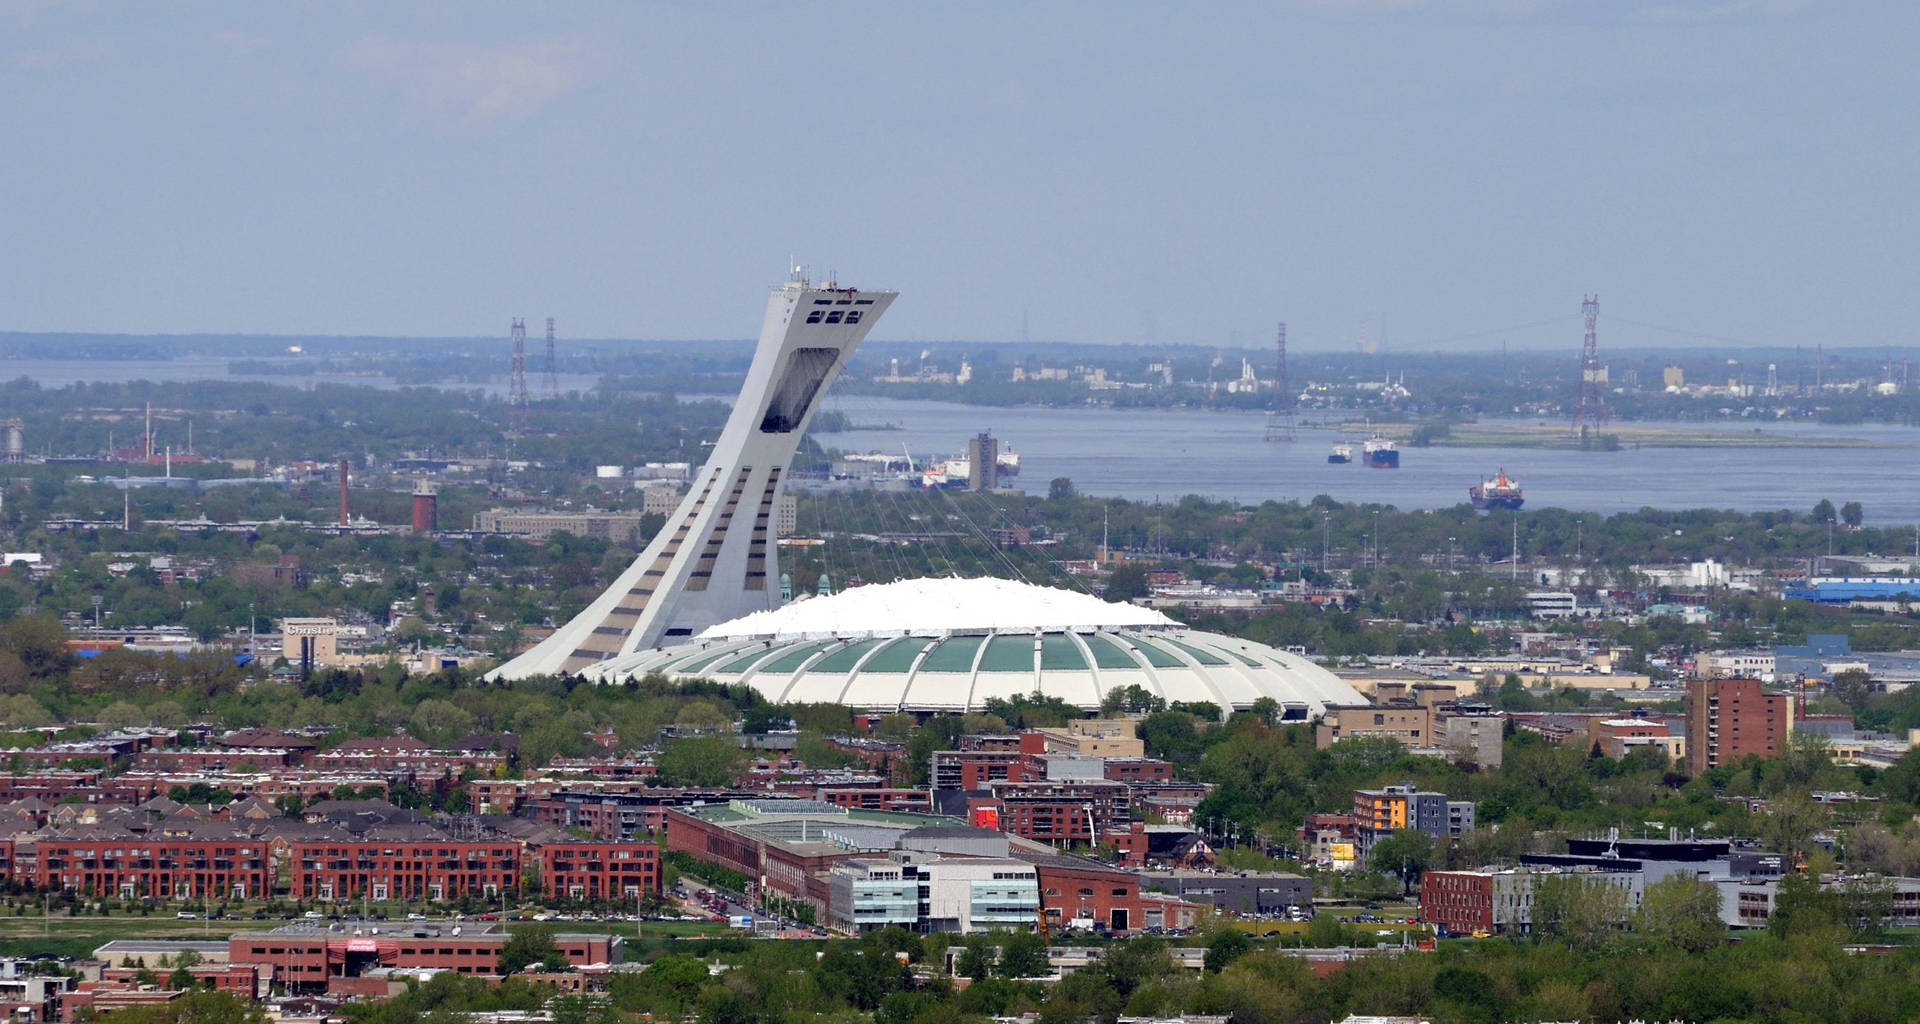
x,y
715,558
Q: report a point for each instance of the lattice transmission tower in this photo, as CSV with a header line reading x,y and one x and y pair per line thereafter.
x,y
553,376
517,400
1280,422
1591,411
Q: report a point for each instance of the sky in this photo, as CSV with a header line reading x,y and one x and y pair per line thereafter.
x,y
1449,175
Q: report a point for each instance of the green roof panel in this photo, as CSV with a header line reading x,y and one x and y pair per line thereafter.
x,y
896,656
1107,654
1059,652
794,657
846,657
738,665
1203,657
954,654
701,660
1156,655
1008,654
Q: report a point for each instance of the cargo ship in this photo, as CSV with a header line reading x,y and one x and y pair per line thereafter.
x,y
1499,492
1380,453
938,474
1341,454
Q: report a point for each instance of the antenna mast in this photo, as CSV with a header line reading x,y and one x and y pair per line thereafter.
x,y
1592,408
517,400
1280,425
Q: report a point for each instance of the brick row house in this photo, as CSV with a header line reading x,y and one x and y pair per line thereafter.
x,y
360,852
599,871
392,869
132,865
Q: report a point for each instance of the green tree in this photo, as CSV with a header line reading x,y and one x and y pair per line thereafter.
x,y
1127,582
1326,932
1852,515
862,978
580,1008
196,1007
1681,912
1802,907
1822,512
701,761
39,641
1404,853
976,958
530,947
1023,955
1583,912
1131,698
1790,822
1229,945
1853,687
668,985
439,722
1865,905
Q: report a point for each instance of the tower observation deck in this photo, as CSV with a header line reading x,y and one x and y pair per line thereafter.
x,y
715,559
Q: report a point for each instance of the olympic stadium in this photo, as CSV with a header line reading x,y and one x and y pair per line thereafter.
x,y
698,600
950,645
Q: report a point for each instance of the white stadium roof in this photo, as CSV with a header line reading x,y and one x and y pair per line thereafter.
x,y
931,607
953,644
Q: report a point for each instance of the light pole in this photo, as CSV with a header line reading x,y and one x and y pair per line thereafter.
x,y
99,600
1515,573
1326,516
1376,538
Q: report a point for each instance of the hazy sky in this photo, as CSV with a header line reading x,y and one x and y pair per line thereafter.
x,y
1127,172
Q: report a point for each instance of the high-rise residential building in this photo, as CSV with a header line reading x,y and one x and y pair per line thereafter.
x,y
1380,812
1727,719
983,463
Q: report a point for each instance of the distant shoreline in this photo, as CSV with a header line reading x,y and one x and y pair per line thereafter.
x,y
1629,435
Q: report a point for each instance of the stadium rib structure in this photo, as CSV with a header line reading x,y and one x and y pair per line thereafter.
x,y
950,645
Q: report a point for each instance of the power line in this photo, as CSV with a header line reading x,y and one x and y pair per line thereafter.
x,y
1684,333
1455,339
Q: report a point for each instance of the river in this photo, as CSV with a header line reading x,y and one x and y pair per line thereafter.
x,y
1162,454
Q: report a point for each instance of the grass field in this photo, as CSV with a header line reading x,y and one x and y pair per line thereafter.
x,y
30,934
1261,928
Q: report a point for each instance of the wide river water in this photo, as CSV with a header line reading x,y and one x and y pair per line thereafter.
x,y
1163,454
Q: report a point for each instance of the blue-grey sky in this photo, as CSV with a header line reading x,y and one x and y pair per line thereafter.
x,y
1098,171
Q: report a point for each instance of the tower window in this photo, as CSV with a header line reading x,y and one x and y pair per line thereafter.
x,y
799,382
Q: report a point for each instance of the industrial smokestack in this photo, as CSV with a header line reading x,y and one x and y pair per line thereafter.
x,y
343,492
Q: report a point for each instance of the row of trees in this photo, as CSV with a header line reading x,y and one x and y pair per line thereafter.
x,y
1669,964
